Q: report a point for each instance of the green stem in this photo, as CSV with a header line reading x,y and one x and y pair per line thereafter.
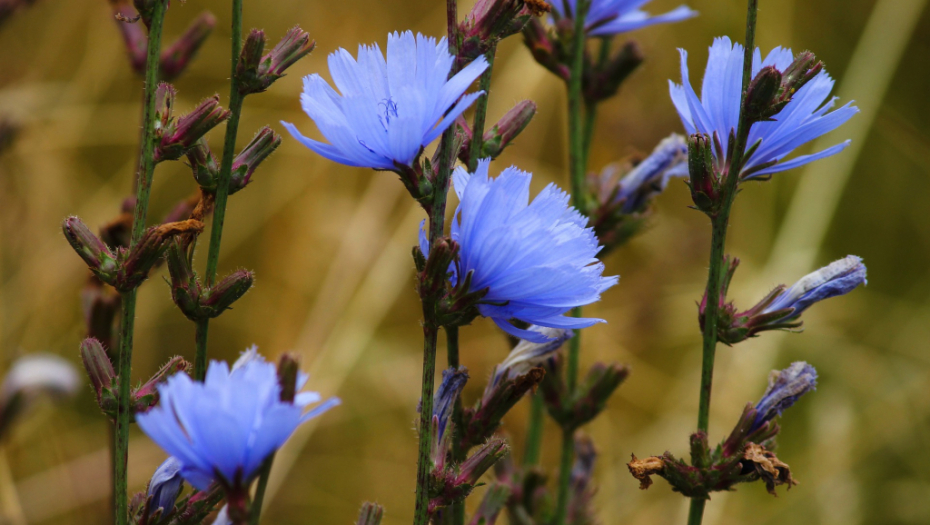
x,y
456,514
534,430
590,107
222,189
481,112
200,355
255,510
128,311
424,462
565,475
719,225
576,156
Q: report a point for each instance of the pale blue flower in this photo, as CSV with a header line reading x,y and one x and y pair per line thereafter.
x,y
803,119
387,110
225,427
837,278
165,486
650,177
453,381
785,388
609,17
536,259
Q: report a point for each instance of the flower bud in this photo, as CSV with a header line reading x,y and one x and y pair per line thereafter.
x,y
134,38
164,489
592,394
484,458
255,73
546,48
262,145
502,394
227,291
507,128
453,381
100,305
288,371
602,81
760,96
177,56
149,251
178,136
98,256
704,182
370,514
203,164
98,366
146,396
801,71
489,21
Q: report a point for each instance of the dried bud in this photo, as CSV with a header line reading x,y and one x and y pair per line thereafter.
x,y
370,514
643,469
602,81
178,136
704,182
255,73
98,366
177,56
98,256
507,128
767,467
261,146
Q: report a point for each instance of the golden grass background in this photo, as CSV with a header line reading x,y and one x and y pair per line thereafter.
x,y
330,246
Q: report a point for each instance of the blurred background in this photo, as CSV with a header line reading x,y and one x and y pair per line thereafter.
x,y
331,249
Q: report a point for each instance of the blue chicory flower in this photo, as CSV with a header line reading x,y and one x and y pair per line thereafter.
x,y
803,119
387,109
453,381
609,17
837,278
225,427
165,486
536,259
785,388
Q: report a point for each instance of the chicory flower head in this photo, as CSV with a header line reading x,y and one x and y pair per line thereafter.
x,y
785,388
387,109
837,278
650,177
609,17
527,355
803,119
536,259
225,427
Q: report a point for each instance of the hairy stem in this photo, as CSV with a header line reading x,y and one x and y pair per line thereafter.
x,y
128,312
565,475
481,112
222,189
424,463
719,225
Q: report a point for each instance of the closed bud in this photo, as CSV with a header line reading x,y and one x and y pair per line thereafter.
x,y
256,72
98,366
592,394
370,514
704,182
546,48
177,56
489,21
250,59
100,305
146,9
227,291
602,81
507,128
453,381
134,38
146,396
204,165
177,137
759,103
165,95
149,251
98,256
262,145
483,459
288,372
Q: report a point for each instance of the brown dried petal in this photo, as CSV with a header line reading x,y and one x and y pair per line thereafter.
x,y
641,469
772,470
